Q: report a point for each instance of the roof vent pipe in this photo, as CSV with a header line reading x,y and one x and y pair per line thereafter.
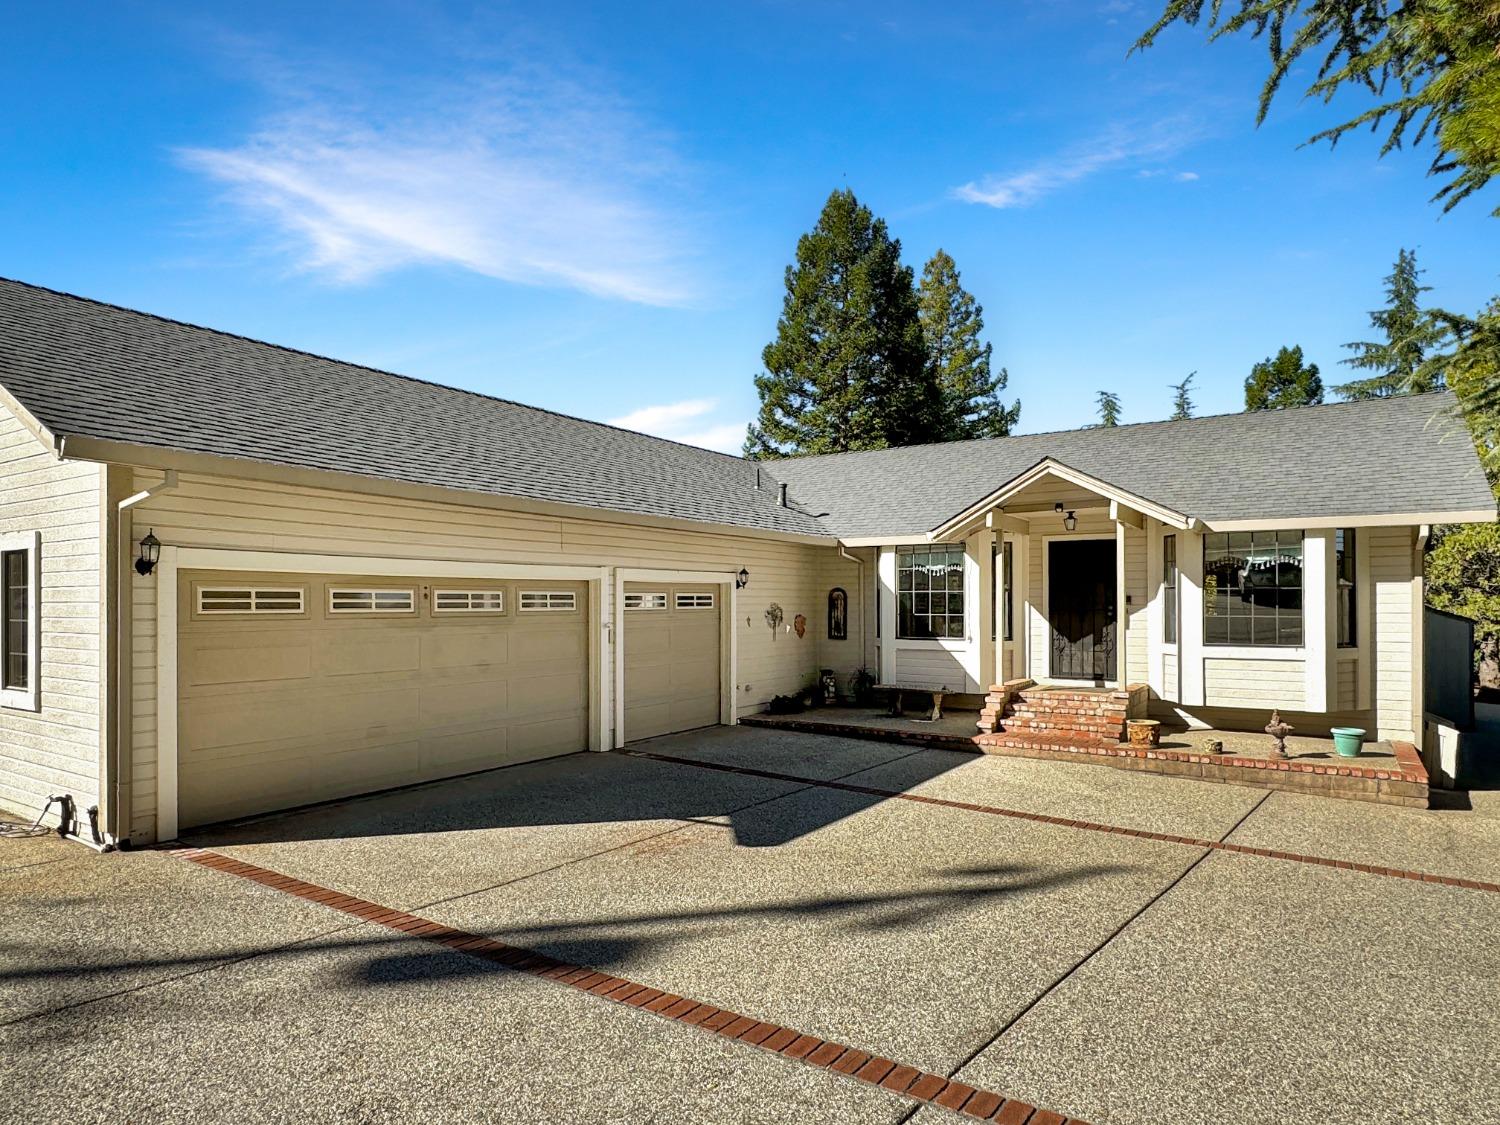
x,y
781,494
757,478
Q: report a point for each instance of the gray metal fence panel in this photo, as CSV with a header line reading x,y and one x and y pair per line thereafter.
x,y
1448,660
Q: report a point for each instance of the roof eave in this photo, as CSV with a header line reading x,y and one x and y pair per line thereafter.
x,y
161,458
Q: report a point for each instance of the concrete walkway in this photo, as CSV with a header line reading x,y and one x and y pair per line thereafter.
x,y
1023,928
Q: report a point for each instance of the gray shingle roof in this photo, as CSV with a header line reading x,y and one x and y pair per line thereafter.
x,y
95,370
109,373
1380,457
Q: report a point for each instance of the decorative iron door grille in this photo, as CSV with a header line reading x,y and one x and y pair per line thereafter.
x,y
1081,609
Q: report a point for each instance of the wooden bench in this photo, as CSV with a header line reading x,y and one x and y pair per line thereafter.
x,y
937,691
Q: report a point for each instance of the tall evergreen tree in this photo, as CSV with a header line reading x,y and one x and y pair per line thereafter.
x,y
1109,408
951,323
1411,335
1283,381
848,368
1182,403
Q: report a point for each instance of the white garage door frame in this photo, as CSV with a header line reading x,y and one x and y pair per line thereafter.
x,y
728,664
174,559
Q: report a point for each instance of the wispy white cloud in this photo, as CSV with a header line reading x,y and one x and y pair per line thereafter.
x,y
687,422
521,174
1185,177
1120,147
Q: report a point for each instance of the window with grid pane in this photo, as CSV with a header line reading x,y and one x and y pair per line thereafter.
x,y
1252,588
15,571
929,592
1348,627
1169,588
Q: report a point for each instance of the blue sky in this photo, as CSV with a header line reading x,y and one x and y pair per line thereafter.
x,y
590,207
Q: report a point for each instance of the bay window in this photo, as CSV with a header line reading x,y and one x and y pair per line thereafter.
x,y
1252,588
930,592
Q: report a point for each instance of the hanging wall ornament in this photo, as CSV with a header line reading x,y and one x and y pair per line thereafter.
x,y
774,618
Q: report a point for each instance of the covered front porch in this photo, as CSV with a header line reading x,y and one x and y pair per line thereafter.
x,y
1046,580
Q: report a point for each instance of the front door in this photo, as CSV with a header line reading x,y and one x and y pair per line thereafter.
x,y
1081,608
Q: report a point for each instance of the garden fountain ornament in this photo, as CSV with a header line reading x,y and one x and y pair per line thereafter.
x,y
1279,730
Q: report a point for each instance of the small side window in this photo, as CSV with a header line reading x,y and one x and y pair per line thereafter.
x,y
20,631
645,601
694,601
344,599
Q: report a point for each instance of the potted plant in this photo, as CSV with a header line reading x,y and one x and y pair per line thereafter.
x,y
1347,741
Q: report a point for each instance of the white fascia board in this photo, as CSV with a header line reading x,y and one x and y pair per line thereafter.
x,y
1050,467
1394,519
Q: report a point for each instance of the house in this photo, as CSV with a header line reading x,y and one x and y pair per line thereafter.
x,y
362,580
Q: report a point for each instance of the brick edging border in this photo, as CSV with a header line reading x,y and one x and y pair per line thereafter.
x,y
1084,825
828,1055
1411,775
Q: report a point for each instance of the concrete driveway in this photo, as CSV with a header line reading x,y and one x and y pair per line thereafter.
x,y
1103,945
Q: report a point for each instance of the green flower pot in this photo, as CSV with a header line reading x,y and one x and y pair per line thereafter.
x,y
1347,741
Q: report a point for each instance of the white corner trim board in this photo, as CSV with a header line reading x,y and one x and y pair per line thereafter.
x,y
176,559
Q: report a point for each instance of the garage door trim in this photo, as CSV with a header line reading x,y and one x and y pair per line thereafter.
x,y
174,559
728,665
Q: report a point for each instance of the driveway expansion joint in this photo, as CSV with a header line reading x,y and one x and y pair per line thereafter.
x,y
1082,825
907,1082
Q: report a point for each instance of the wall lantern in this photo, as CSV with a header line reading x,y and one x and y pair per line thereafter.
x,y
1058,507
742,579
1070,521
150,552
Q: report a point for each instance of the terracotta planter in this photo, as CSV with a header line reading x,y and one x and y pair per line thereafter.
x,y
1143,732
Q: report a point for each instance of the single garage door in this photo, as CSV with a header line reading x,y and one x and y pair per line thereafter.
x,y
671,658
304,688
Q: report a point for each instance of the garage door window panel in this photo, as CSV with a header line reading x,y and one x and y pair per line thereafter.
x,y
250,600
645,601
548,601
354,600
686,600
466,602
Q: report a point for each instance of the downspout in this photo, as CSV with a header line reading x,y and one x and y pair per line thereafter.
x,y
863,637
118,829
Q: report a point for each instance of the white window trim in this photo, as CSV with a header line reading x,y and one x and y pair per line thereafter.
x,y
570,607
494,611
255,592
28,698
687,599
640,597
372,609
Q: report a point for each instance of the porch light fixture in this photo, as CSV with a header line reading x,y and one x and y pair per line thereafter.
x,y
1070,521
150,552
742,579
1058,507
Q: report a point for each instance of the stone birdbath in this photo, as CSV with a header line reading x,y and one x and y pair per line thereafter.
x,y
1279,729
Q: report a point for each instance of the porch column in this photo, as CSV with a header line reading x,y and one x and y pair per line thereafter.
x,y
979,551
886,576
1319,622
1122,611
1190,623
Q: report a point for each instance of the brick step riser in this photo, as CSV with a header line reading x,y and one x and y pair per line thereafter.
x,y
1074,696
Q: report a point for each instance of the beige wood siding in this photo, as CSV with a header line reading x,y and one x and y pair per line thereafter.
x,y
671,659
930,666
285,709
1168,675
1346,693
1391,551
1230,682
57,749
859,650
208,511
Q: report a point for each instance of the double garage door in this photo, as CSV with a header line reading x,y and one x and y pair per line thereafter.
x,y
294,689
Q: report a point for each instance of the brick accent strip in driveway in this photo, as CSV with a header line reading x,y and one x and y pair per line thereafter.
x,y
836,1058
1085,825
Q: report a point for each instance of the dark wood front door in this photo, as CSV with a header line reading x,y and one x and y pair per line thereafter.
x,y
1081,608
